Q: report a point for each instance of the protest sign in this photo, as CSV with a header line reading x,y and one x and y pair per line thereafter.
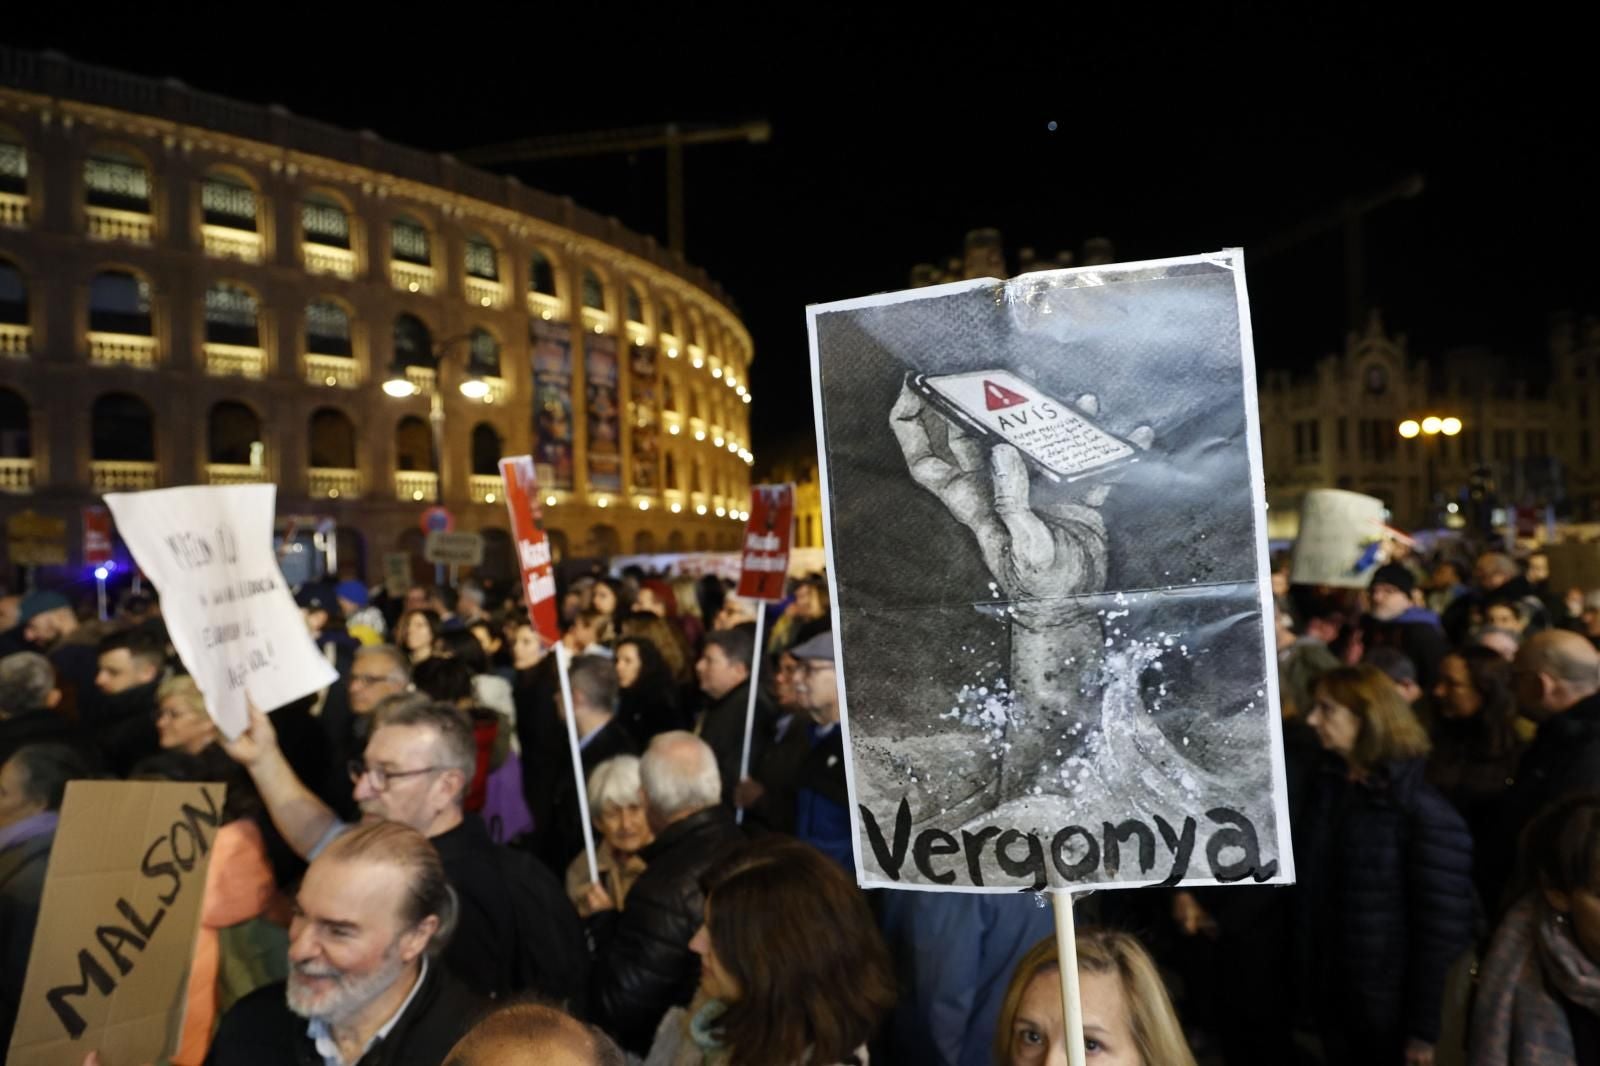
x,y
764,559
1342,539
96,536
34,540
109,969
1051,594
208,550
455,549
533,548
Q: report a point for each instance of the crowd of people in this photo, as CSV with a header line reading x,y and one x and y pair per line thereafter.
x,y
401,875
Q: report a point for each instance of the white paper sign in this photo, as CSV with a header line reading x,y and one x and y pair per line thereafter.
x,y
1341,539
208,550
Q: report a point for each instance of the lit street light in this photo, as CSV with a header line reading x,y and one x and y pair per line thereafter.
x,y
1431,426
401,387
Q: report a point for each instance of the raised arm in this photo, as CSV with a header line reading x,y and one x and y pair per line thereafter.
x,y
302,818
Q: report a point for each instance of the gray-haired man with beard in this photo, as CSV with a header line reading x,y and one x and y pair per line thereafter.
x,y
372,910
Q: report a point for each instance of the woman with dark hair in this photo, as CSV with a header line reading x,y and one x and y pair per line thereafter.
x,y
792,968
1539,987
1476,747
649,697
668,641
1128,1018
416,633
610,597
1385,903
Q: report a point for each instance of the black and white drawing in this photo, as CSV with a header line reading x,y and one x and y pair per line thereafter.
x,y
1050,581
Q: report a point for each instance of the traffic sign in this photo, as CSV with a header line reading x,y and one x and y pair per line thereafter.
x,y
437,519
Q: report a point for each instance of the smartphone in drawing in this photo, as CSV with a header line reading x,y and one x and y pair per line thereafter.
x,y
999,407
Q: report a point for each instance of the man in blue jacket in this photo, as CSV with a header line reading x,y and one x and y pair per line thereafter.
x,y
1394,621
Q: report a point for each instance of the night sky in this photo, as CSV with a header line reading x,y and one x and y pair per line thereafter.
x,y
890,143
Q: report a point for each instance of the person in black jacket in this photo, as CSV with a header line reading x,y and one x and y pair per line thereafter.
x,y
648,695
601,736
1557,680
30,704
1385,901
643,963
723,670
362,987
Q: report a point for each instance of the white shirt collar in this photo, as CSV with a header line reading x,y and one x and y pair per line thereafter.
x,y
328,1048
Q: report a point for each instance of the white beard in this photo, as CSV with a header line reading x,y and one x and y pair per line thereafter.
x,y
349,995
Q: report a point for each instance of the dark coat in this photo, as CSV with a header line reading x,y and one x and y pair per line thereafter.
x,y
542,736
1385,906
778,771
121,726
34,727
1417,634
1563,758
22,870
643,964
260,1030
722,727
518,930
561,837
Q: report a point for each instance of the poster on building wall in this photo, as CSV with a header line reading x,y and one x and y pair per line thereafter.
x,y
605,422
552,403
1047,549
646,409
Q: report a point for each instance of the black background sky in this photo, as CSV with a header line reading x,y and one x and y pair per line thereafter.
x,y
896,132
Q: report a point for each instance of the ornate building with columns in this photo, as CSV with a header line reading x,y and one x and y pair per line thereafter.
x,y
195,290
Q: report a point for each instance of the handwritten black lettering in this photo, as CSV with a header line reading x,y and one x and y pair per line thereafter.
x,y
930,843
88,971
890,860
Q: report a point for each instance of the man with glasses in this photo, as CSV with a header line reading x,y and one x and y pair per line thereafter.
x,y
822,804
376,673
517,930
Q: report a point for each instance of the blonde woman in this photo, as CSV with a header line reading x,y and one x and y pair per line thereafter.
x,y
1128,1018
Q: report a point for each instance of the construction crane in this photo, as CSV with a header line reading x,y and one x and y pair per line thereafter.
x,y
673,136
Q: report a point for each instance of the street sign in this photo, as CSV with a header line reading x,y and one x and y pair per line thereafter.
x,y
96,536
437,519
34,540
455,549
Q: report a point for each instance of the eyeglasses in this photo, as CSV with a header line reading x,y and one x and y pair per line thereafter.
x,y
373,679
380,777
816,666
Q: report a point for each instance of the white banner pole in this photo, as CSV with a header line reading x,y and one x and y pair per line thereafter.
x,y
750,709
1067,955
561,654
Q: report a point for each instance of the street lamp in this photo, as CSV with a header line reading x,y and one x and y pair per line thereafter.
x,y
401,387
1429,427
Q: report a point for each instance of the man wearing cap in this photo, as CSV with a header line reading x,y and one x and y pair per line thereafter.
x,y
822,803
1394,621
361,620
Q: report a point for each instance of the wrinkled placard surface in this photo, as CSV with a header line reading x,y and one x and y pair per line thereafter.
x,y
1072,685
122,898
1340,540
208,551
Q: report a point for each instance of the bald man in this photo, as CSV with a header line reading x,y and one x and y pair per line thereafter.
x,y
532,1034
1557,676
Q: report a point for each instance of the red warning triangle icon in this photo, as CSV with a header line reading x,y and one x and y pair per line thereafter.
x,y
997,396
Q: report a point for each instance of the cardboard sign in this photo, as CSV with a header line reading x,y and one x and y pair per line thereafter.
x,y
764,562
1055,650
34,540
456,549
208,549
533,548
1341,540
110,964
97,547
396,574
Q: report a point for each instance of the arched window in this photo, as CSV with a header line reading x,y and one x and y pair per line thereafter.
x,y
644,542
482,259
413,445
671,471
116,180
13,164
332,440
542,274
13,295
635,305
664,320
604,542
485,450
231,316
233,435
675,541
408,241
697,478
227,200
702,541
119,302
594,293
669,395
122,428
328,329
16,431
413,344
324,220
483,356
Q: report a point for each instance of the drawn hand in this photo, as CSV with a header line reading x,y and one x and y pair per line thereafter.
x,y
1038,551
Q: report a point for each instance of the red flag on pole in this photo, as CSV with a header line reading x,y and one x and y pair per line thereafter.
x,y
764,561
533,548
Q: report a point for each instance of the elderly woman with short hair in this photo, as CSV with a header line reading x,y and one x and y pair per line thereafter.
x,y
617,808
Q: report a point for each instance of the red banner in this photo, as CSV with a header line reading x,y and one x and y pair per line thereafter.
x,y
764,561
96,536
533,548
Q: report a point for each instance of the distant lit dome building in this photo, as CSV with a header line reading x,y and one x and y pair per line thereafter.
x,y
195,290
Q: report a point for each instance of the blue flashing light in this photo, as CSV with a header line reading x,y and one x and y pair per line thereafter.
x,y
102,572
